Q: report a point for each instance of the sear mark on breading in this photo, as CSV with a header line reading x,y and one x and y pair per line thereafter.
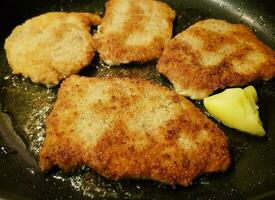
x,y
214,54
131,128
133,31
50,47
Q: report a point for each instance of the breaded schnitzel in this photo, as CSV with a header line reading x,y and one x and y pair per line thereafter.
x,y
213,54
52,46
134,31
131,128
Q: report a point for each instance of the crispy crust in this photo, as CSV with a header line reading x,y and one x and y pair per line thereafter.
x,y
131,128
52,46
134,31
213,54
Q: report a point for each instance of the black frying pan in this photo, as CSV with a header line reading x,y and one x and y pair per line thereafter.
x,y
252,173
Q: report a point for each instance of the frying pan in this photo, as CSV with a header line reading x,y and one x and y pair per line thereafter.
x,y
25,105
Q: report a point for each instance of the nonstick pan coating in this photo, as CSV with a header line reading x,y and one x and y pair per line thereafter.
x,y
251,175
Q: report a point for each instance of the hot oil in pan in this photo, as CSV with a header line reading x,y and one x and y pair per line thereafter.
x,y
28,105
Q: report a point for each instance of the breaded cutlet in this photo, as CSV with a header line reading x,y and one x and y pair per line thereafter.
x,y
133,31
52,46
131,128
214,54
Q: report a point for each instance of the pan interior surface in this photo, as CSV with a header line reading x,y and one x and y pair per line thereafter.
x,y
26,105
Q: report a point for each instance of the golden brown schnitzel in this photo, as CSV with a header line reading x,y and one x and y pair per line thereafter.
x,y
131,128
213,54
52,46
134,31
